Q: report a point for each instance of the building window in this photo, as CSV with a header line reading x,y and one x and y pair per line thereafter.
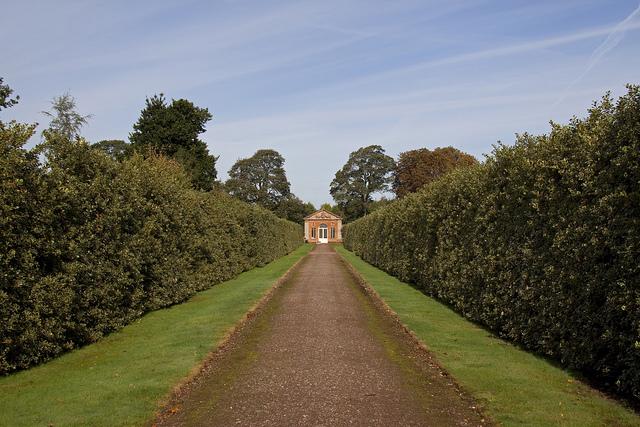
x,y
313,233
323,232
333,232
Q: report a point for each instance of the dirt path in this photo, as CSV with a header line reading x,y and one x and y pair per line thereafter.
x,y
321,353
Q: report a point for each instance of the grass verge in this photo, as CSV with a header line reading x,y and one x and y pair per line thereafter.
x,y
121,379
514,387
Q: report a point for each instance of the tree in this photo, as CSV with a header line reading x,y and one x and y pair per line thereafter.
x,y
260,179
368,171
173,130
417,168
5,94
334,209
294,209
117,149
65,120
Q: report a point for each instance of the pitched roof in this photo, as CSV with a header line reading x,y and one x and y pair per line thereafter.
x,y
323,214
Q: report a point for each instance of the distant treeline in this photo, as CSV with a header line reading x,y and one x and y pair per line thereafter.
x,y
89,243
369,171
540,243
173,129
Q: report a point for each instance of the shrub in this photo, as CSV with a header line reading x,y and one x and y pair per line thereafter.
x,y
88,244
540,243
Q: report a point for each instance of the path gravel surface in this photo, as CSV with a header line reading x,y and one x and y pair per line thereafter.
x,y
321,353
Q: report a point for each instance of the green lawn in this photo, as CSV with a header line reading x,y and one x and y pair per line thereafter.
x,y
515,387
121,379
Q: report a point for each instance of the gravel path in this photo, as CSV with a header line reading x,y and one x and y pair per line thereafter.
x,y
321,353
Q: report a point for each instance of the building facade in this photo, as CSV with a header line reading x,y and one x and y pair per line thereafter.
x,y
323,227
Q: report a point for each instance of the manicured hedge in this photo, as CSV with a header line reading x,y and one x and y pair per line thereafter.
x,y
540,243
88,244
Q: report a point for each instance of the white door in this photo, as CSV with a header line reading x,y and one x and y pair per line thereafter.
x,y
322,234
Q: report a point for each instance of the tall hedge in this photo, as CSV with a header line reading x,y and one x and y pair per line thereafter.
x,y
540,243
88,244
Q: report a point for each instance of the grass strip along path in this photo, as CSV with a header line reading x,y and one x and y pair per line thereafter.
x,y
122,379
515,387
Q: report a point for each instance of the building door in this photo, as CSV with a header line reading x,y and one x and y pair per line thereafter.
x,y
323,234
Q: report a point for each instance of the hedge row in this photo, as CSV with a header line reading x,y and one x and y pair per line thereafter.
x,y
540,243
88,244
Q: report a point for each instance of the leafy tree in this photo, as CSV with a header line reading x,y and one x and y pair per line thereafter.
x,y
294,209
5,94
326,207
368,171
199,164
416,168
173,130
260,179
65,120
309,208
334,209
117,149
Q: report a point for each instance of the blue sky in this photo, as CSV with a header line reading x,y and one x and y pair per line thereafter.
x,y
316,80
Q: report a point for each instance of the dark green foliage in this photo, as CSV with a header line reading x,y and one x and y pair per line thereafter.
x,y
117,149
5,96
173,130
541,243
294,209
260,179
335,209
368,171
88,244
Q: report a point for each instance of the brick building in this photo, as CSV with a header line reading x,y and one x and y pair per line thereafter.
x,y
322,227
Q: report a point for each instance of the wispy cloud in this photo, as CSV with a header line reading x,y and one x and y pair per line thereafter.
x,y
298,75
614,37
518,48
461,116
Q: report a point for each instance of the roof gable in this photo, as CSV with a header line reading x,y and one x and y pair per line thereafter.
x,y
322,214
